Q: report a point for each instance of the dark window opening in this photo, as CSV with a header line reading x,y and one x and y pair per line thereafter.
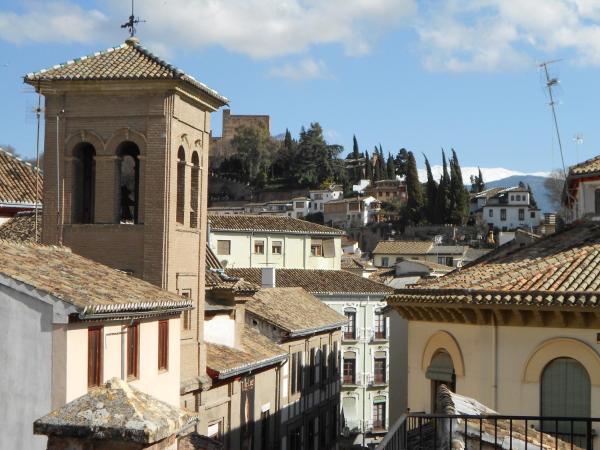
x,y
84,183
380,327
349,371
129,182
180,184
379,416
380,377
163,345
350,326
194,206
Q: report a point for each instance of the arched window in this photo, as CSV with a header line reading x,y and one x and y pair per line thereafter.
x,y
440,371
129,182
180,185
565,391
194,206
84,183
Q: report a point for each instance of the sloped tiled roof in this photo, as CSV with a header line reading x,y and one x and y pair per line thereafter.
x,y
294,310
91,287
267,223
447,250
562,270
129,61
586,167
402,247
218,278
256,351
115,411
17,180
317,281
21,227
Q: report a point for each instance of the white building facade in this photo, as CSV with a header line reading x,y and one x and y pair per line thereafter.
x,y
510,209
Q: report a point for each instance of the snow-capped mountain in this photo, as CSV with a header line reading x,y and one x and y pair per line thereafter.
x,y
489,173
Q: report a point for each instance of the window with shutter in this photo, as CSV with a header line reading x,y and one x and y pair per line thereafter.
x,y
133,345
94,356
163,345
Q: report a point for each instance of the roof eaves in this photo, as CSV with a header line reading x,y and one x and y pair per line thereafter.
x,y
228,373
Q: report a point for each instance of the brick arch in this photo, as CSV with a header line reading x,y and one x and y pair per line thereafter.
x,y
84,136
125,134
551,349
442,340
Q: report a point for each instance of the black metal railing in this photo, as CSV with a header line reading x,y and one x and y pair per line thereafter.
x,y
439,431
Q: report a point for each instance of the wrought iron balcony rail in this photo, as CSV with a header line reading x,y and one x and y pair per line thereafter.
x,y
441,431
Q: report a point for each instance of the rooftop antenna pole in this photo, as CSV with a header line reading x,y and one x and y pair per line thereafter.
x,y
132,22
578,139
550,83
38,112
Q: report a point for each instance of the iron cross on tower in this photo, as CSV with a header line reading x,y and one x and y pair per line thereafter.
x,y
132,22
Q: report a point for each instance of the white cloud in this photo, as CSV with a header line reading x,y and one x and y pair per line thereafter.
x,y
52,21
484,35
306,69
257,28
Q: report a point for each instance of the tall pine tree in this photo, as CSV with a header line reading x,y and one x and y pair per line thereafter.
x,y
357,172
376,164
431,192
459,197
443,195
400,161
368,167
414,190
391,168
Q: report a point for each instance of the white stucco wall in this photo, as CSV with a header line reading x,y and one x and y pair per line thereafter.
x,y
220,329
25,368
163,385
295,251
586,198
515,345
512,216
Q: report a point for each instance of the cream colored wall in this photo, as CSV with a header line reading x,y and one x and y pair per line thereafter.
x,y
163,385
392,258
295,252
515,345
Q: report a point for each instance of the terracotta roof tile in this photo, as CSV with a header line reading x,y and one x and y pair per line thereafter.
x,y
17,181
561,269
256,351
129,61
267,223
115,411
317,281
402,247
294,310
218,278
586,167
88,285
21,227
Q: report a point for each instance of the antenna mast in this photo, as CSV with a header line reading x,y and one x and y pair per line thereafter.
x,y
550,83
132,22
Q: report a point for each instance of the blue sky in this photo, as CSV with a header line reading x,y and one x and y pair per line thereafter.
x,y
421,75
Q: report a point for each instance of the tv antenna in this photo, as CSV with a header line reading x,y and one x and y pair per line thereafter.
x,y
132,22
551,83
578,139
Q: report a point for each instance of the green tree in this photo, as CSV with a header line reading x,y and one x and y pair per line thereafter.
x,y
443,194
391,168
368,167
400,161
376,164
532,201
414,190
316,160
477,184
459,197
356,156
255,149
431,192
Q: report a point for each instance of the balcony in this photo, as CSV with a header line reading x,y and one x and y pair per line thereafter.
x,y
376,426
351,335
355,379
379,336
421,431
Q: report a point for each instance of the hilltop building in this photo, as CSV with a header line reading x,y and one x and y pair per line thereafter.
x,y
220,146
18,183
388,191
351,212
388,253
506,209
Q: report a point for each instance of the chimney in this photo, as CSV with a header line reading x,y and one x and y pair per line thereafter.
x,y
268,277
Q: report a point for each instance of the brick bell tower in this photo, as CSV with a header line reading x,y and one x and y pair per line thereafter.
x,y
125,174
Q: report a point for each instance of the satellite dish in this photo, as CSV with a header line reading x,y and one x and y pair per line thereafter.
x,y
224,263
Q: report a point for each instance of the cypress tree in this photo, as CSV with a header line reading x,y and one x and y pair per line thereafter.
x,y
414,190
532,201
401,162
376,165
368,167
431,190
459,197
480,182
443,195
391,168
356,156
